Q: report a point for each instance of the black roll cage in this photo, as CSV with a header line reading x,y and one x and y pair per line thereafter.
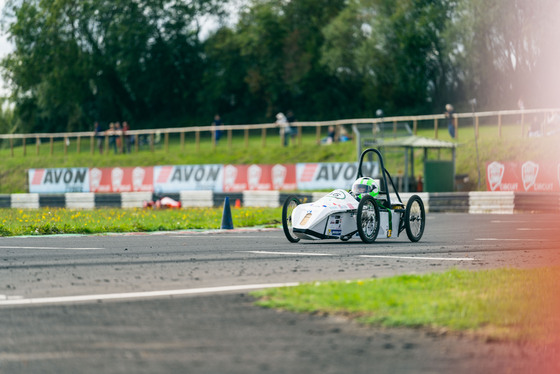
x,y
385,174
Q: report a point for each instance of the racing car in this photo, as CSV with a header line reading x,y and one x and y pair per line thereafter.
x,y
367,211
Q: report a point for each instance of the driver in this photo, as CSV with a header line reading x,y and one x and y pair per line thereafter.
x,y
364,186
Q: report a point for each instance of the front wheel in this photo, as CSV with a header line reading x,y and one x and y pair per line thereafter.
x,y
367,219
289,205
414,218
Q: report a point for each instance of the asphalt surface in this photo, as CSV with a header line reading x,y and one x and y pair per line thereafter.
x,y
157,303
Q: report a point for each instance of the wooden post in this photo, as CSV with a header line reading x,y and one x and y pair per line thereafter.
x,y
394,129
414,126
52,146
476,126
37,143
78,144
24,149
152,140
166,140
246,137
318,134
213,134
197,140
263,137
182,141
12,146
499,125
435,127
92,144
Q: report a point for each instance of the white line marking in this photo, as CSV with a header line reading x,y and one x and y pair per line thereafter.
x,y
422,258
232,236
137,295
74,249
286,253
512,221
509,239
536,229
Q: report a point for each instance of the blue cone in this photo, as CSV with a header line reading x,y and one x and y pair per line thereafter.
x,y
227,222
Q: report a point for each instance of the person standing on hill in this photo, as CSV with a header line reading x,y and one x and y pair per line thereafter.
x,y
449,116
99,136
285,128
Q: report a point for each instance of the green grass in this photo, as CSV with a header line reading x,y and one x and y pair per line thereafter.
x,y
67,221
500,304
509,147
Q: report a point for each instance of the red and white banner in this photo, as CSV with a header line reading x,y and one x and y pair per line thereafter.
x,y
214,177
58,180
316,176
187,178
121,179
523,177
254,177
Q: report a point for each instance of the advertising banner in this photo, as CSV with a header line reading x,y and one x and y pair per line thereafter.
x,y
58,180
168,179
254,177
523,177
318,176
127,179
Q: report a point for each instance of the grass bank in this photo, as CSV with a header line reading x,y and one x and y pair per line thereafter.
x,y
510,146
510,304
66,221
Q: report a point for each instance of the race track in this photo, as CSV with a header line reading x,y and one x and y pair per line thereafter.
x,y
178,302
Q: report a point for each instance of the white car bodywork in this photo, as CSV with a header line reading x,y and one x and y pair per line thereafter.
x,y
334,216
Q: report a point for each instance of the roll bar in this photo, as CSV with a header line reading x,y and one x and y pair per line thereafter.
x,y
386,175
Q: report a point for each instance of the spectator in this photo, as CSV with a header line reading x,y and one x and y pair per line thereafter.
x,y
285,128
127,138
218,127
449,115
331,136
99,137
112,136
344,136
118,138
291,118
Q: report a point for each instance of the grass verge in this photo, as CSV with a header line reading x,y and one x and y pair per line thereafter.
x,y
67,221
504,304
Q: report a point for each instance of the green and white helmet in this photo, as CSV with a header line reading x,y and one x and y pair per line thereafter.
x,y
365,186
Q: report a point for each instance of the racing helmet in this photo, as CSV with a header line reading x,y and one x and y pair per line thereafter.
x,y
365,186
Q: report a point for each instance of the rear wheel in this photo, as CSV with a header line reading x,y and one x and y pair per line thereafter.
x,y
414,218
289,205
367,219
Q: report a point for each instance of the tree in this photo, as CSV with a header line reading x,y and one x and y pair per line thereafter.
x,y
508,50
77,61
393,50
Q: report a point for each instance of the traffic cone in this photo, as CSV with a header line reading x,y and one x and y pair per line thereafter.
x,y
227,222
237,203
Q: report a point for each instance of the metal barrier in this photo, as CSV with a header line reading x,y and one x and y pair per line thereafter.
x,y
459,202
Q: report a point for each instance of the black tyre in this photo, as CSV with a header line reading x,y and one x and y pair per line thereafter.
x,y
367,219
414,218
289,205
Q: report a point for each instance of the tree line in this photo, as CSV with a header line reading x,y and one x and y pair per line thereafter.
x,y
147,62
